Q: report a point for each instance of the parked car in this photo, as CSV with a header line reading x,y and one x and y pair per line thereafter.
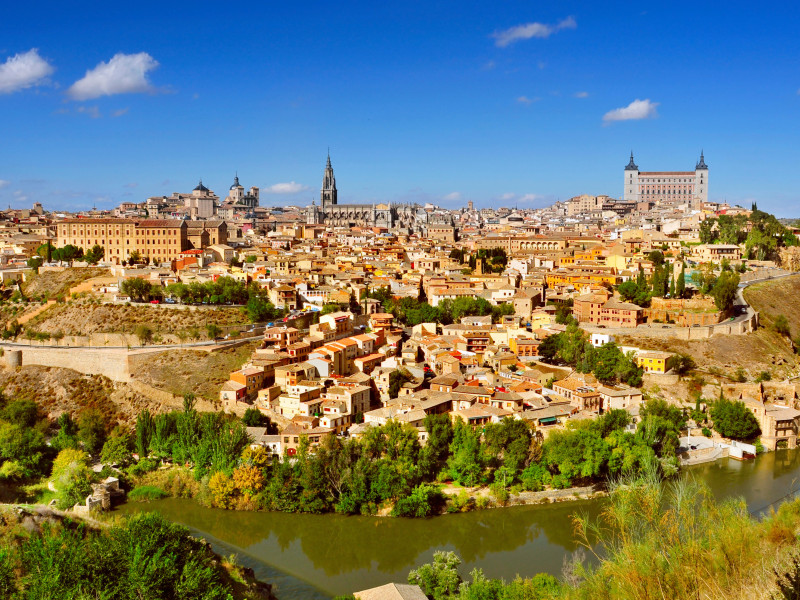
x,y
155,301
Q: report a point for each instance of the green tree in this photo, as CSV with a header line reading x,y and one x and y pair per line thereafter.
x,y
253,417
137,288
213,331
143,333
680,284
438,580
95,255
733,419
466,462
724,290
92,430
396,380
117,448
331,307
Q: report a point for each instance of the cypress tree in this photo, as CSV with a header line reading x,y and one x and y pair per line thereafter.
x,y
680,285
671,283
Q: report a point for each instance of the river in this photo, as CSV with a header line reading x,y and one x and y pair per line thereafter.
x,y
311,557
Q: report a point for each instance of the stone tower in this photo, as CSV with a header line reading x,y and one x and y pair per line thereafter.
x,y
631,181
701,180
328,193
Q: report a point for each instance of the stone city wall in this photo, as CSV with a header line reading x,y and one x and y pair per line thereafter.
x,y
112,364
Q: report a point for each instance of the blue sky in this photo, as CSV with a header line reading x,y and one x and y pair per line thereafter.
x,y
502,103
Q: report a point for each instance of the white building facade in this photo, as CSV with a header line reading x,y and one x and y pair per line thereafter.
x,y
667,187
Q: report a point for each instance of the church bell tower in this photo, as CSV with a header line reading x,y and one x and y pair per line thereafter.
x,y
328,193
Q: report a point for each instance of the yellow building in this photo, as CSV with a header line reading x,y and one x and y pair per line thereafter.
x,y
653,361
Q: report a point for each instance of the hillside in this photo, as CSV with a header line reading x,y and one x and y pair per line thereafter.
x,y
56,390
58,283
86,317
180,371
774,298
763,350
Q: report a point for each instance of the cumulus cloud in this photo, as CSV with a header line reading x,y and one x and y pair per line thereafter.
x,y
581,94
286,188
452,196
531,30
638,109
123,74
22,71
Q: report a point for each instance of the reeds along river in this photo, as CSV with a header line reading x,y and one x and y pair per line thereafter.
x,y
318,556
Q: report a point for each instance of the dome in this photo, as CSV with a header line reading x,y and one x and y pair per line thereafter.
x,y
201,188
236,183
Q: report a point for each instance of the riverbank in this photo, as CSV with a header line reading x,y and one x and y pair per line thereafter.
x,y
179,482
313,557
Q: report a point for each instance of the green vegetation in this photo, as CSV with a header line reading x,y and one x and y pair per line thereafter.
x,y
608,363
387,466
760,232
732,419
652,541
396,380
410,311
144,557
494,260
225,290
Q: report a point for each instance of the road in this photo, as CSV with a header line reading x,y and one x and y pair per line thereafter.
x,y
743,310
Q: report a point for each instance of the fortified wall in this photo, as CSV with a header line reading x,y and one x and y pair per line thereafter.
x,y
111,363
684,313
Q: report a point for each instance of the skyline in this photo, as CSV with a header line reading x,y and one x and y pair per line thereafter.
x,y
503,105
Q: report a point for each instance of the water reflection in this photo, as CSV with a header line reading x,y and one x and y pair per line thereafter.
x,y
342,554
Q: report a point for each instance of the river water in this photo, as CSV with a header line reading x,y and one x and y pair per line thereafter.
x,y
310,557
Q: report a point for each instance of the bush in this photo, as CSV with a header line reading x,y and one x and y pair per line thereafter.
x,y
733,419
423,501
781,326
145,493
706,432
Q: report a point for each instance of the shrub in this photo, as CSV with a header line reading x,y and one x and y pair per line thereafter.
x,y
781,326
706,432
423,501
145,493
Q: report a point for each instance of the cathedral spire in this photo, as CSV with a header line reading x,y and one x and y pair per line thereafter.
x,y
631,165
328,195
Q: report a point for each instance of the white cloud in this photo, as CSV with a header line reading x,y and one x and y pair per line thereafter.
x,y
638,109
531,30
582,94
286,188
92,111
530,198
4,183
526,100
22,71
452,196
120,112
507,196
123,74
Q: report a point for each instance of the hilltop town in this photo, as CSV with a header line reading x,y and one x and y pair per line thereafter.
x,y
336,318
